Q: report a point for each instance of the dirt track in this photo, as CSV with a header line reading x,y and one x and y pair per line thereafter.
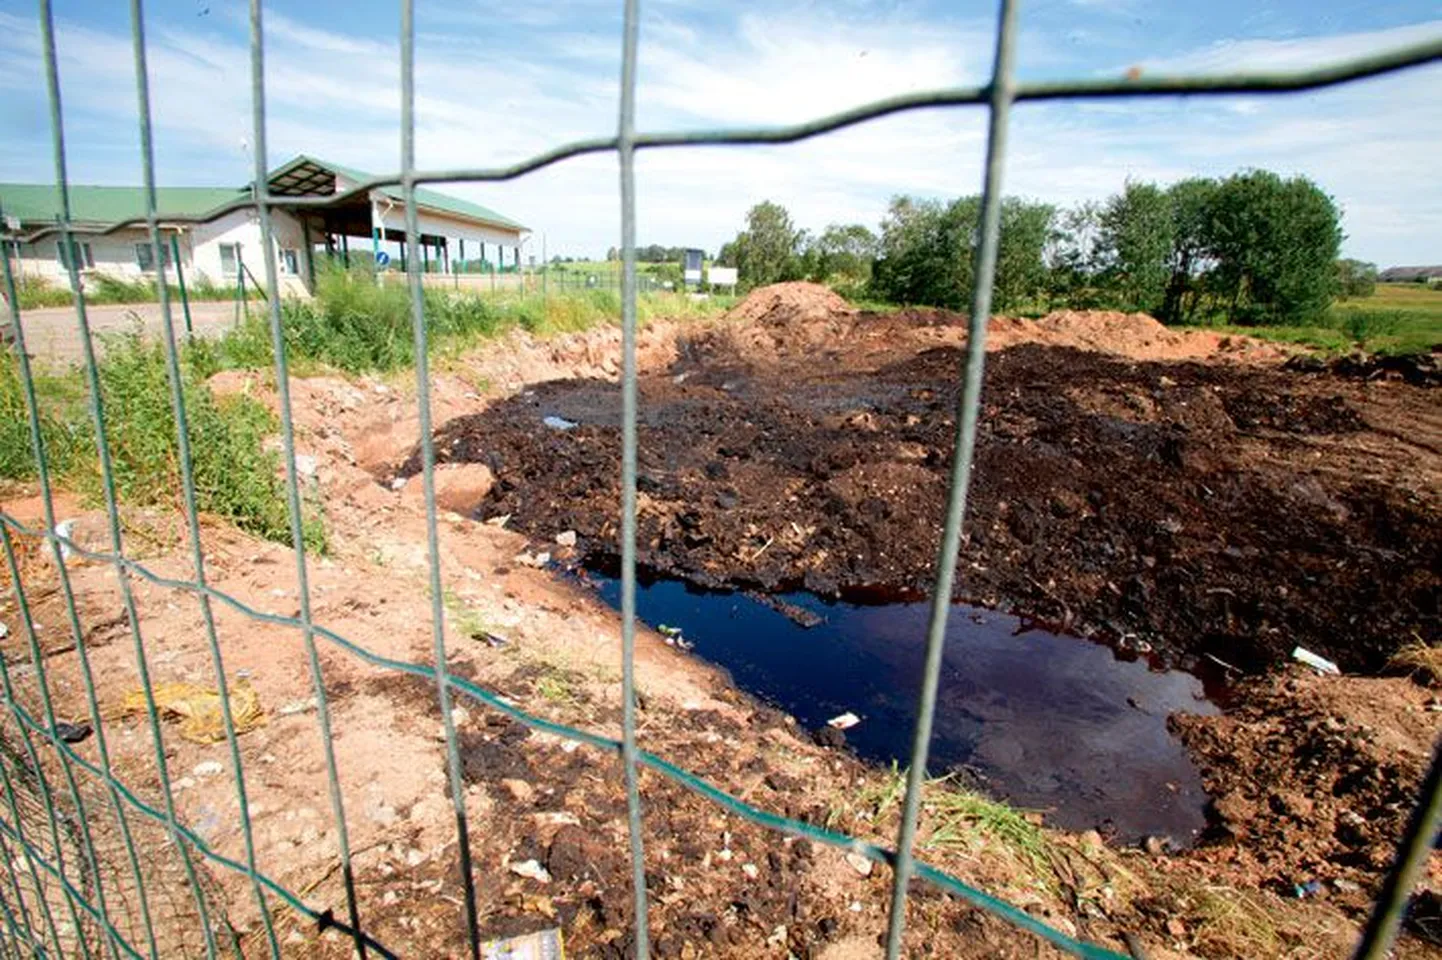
x,y
1194,507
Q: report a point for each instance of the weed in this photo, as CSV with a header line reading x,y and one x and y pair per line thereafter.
x,y
879,798
1419,660
961,818
61,403
32,291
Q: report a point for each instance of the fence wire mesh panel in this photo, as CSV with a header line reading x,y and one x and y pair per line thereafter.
x,y
98,862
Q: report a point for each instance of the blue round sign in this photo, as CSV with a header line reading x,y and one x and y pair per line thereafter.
x,y
383,259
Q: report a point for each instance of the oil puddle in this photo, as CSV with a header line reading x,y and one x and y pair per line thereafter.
x,y
1048,722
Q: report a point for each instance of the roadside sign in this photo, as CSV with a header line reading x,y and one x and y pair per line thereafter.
x,y
383,259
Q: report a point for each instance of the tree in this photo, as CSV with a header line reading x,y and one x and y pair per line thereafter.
x,y
1356,278
928,252
842,251
1275,243
768,250
1138,234
1072,255
1026,227
1190,258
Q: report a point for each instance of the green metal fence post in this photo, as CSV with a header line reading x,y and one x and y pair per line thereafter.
x,y
180,282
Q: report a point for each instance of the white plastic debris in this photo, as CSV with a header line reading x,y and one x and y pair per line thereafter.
x,y
1319,664
846,721
532,870
566,538
65,529
208,768
559,423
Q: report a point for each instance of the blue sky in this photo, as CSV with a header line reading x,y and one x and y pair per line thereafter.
x,y
498,81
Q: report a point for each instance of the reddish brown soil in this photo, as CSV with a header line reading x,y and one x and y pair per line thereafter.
x,y
1196,507
1313,779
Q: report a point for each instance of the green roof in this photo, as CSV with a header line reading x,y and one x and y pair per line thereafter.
x,y
433,199
36,203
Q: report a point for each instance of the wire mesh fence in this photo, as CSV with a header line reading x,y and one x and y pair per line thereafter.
x,y
100,865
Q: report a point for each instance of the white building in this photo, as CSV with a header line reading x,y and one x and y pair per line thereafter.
x,y
218,244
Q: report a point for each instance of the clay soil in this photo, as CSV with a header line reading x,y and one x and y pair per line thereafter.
x,y
1137,456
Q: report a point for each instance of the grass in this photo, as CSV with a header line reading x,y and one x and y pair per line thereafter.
x,y
1418,660
358,326
352,325
236,478
1399,318
34,292
959,819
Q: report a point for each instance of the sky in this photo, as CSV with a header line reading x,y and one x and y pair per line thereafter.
x,y
498,81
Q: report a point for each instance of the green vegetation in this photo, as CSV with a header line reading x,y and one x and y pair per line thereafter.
x,y
772,249
235,477
353,325
358,326
1397,318
101,288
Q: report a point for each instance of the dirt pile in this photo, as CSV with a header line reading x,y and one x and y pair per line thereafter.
x,y
781,304
1132,501
776,321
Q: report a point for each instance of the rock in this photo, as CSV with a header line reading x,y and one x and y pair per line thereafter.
x,y
520,790
750,870
566,538
860,864
460,716
532,870
305,464
1176,928
459,486
1343,885
1154,845
829,737
1091,838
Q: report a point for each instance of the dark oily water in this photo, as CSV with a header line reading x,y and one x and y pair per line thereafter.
x,y
1053,723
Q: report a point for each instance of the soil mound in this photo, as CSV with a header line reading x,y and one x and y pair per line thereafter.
x,y
781,304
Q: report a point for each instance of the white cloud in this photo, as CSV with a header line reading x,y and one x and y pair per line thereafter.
x,y
485,99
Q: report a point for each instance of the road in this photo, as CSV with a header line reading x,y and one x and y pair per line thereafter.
x,y
52,334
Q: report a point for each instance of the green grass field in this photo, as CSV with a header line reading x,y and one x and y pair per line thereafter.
x,y
1399,318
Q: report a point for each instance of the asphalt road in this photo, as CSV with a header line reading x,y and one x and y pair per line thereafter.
x,y
52,334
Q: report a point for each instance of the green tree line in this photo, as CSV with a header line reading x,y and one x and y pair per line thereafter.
x,y
1253,247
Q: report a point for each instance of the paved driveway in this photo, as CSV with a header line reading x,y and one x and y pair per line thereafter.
x,y
53,334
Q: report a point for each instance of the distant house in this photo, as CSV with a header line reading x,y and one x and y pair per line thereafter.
x,y
1410,274
230,239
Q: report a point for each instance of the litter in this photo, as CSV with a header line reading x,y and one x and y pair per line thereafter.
x,y
566,538
559,423
531,870
65,529
198,709
541,945
845,721
1320,664
72,732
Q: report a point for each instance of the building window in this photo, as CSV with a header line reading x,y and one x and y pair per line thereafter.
x,y
145,256
229,259
85,259
290,262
